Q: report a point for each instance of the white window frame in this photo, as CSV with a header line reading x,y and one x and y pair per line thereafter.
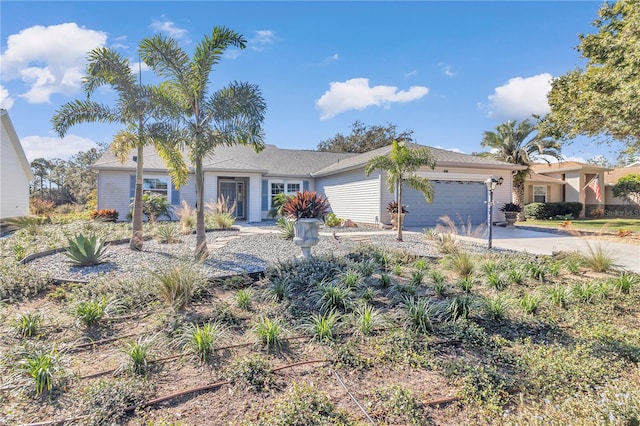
x,y
543,194
286,184
166,193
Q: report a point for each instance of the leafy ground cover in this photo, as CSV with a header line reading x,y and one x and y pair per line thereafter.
x,y
462,338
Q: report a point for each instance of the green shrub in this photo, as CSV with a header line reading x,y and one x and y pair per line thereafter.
x,y
154,206
42,365
90,312
106,400
86,251
543,211
269,333
200,342
138,355
323,327
419,314
20,282
252,371
397,405
178,285
331,220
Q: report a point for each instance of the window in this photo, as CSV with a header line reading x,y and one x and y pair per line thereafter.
x,y
288,188
156,185
539,194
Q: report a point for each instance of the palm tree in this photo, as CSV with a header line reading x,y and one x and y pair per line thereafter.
x,y
514,143
135,108
400,166
231,115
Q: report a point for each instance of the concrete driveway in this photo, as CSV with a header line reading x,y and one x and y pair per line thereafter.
x,y
626,256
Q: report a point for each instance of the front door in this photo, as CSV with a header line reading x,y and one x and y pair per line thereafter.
x,y
233,191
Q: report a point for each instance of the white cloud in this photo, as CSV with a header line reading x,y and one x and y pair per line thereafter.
x,y
49,59
138,66
261,40
51,147
447,69
332,58
411,73
168,27
356,94
6,101
520,97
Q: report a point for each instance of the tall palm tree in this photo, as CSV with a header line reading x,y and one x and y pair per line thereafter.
x,y
400,166
514,143
136,109
229,116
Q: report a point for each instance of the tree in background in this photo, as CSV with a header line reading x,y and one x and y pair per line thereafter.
x,y
136,109
363,139
232,115
400,166
516,143
603,98
628,188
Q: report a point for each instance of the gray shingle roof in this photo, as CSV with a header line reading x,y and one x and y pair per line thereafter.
x,y
274,161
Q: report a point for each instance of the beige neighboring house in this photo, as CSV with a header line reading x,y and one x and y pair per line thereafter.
x,y
15,172
567,181
617,206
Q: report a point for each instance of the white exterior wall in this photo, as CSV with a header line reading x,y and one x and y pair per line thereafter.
x,y
353,196
14,182
255,198
113,192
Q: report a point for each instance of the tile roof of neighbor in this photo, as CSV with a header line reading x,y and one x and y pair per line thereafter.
x,y
565,166
612,177
274,161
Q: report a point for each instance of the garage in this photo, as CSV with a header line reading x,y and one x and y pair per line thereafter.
x,y
460,200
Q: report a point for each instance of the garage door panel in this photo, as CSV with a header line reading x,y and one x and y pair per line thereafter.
x,y
464,201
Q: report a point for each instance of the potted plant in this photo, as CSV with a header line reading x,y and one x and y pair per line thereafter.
x,y
393,209
306,209
510,211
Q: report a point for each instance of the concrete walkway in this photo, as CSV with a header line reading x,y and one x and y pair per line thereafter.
x,y
625,256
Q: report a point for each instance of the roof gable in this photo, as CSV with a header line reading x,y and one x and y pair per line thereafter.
x,y
14,141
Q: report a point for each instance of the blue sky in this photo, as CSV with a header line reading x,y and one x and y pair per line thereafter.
x,y
446,70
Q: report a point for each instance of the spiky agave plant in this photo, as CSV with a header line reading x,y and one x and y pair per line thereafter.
x,y
86,251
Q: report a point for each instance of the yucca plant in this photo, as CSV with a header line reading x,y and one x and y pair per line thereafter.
x,y
199,341
42,366
243,299
558,295
419,314
269,333
178,285
496,307
138,354
322,327
625,281
27,324
366,319
530,302
86,251
286,228
167,233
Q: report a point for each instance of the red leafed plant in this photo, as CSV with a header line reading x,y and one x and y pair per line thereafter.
x,y
305,205
107,215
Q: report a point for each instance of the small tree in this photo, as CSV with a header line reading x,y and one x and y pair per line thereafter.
x,y
400,166
628,188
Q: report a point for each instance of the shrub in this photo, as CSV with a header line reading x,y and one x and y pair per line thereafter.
x,y
252,371
269,333
496,307
107,400
38,206
286,228
187,216
221,220
243,299
331,220
397,405
19,282
366,319
419,314
138,355
179,284
86,251
90,312
322,327
167,233
106,215
543,211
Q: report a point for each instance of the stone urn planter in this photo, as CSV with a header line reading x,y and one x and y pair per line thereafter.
x,y
394,220
394,211
306,235
306,209
511,211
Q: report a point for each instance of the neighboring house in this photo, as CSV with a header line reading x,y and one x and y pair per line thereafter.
x,y
15,172
253,179
617,206
566,181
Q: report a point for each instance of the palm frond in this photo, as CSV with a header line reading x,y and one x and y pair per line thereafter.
x,y
82,111
421,184
107,67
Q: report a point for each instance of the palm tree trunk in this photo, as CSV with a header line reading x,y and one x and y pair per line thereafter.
x,y
136,235
518,197
202,251
400,215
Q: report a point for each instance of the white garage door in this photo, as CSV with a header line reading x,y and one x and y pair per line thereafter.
x,y
461,201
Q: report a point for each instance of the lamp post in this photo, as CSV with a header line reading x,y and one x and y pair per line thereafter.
x,y
491,186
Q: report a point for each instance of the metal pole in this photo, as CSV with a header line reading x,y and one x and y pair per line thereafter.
x,y
490,217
